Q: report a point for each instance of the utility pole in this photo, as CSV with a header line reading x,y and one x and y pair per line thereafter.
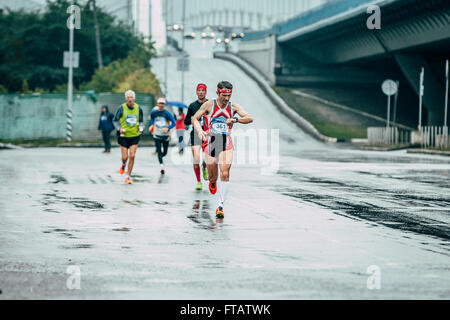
x,y
149,21
422,75
129,15
166,14
70,84
182,49
138,11
446,93
97,36
396,102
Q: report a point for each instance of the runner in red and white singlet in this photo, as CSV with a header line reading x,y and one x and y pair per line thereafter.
x,y
217,140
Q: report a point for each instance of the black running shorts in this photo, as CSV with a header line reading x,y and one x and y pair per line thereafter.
x,y
128,142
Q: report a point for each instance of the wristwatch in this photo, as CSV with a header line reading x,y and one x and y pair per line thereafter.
x,y
236,118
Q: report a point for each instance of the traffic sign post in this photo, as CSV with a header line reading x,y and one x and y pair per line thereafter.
x,y
389,88
421,89
183,64
75,59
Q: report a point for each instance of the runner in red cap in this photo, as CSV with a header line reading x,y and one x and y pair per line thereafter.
x,y
195,142
219,146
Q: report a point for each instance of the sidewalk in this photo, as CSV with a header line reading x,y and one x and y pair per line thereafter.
x,y
74,144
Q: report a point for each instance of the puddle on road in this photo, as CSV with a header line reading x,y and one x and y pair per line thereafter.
x,y
394,215
62,232
78,246
83,203
370,157
136,203
124,229
58,178
438,178
366,211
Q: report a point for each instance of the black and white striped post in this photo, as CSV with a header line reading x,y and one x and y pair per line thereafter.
x,y
71,22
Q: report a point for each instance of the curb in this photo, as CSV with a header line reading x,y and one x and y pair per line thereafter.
x,y
368,148
301,122
430,152
9,146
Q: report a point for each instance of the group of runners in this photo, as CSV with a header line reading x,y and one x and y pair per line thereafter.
x,y
212,122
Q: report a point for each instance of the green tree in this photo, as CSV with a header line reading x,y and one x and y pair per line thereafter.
x,y
133,72
25,87
32,45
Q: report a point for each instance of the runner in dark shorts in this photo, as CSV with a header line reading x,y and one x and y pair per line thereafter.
x,y
128,142
129,122
195,142
219,146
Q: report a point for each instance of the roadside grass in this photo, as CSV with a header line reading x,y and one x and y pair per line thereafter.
x,y
321,123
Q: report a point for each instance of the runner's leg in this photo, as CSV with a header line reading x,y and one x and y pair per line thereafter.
x,y
213,170
225,160
165,144
124,152
196,157
133,150
158,144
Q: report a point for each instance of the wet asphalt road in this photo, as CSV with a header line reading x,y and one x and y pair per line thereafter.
x,y
309,230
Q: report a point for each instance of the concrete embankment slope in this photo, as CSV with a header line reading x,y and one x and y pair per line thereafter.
x,y
274,98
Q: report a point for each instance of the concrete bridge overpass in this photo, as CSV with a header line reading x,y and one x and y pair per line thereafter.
x,y
332,44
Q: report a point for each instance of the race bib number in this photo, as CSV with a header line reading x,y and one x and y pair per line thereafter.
x,y
219,127
161,123
131,120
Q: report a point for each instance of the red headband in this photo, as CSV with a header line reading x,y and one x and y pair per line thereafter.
x,y
224,90
201,85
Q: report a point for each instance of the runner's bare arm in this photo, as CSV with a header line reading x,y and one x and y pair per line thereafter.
x,y
245,117
195,119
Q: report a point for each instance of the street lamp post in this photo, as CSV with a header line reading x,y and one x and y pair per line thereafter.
x,y
182,49
166,14
421,91
446,93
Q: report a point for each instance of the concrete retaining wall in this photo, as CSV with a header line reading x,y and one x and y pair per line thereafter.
x,y
261,55
44,116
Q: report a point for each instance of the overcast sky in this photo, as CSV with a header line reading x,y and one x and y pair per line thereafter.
x,y
271,10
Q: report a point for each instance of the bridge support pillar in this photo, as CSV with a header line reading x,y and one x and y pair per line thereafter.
x,y
433,99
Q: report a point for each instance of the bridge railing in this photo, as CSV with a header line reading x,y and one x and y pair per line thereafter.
x,y
433,137
388,136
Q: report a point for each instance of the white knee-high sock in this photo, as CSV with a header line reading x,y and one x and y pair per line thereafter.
x,y
223,191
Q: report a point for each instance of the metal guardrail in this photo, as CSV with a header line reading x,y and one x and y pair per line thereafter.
x,y
388,136
434,137
429,137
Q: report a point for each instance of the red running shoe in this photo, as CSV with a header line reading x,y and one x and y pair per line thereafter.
x,y
212,187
